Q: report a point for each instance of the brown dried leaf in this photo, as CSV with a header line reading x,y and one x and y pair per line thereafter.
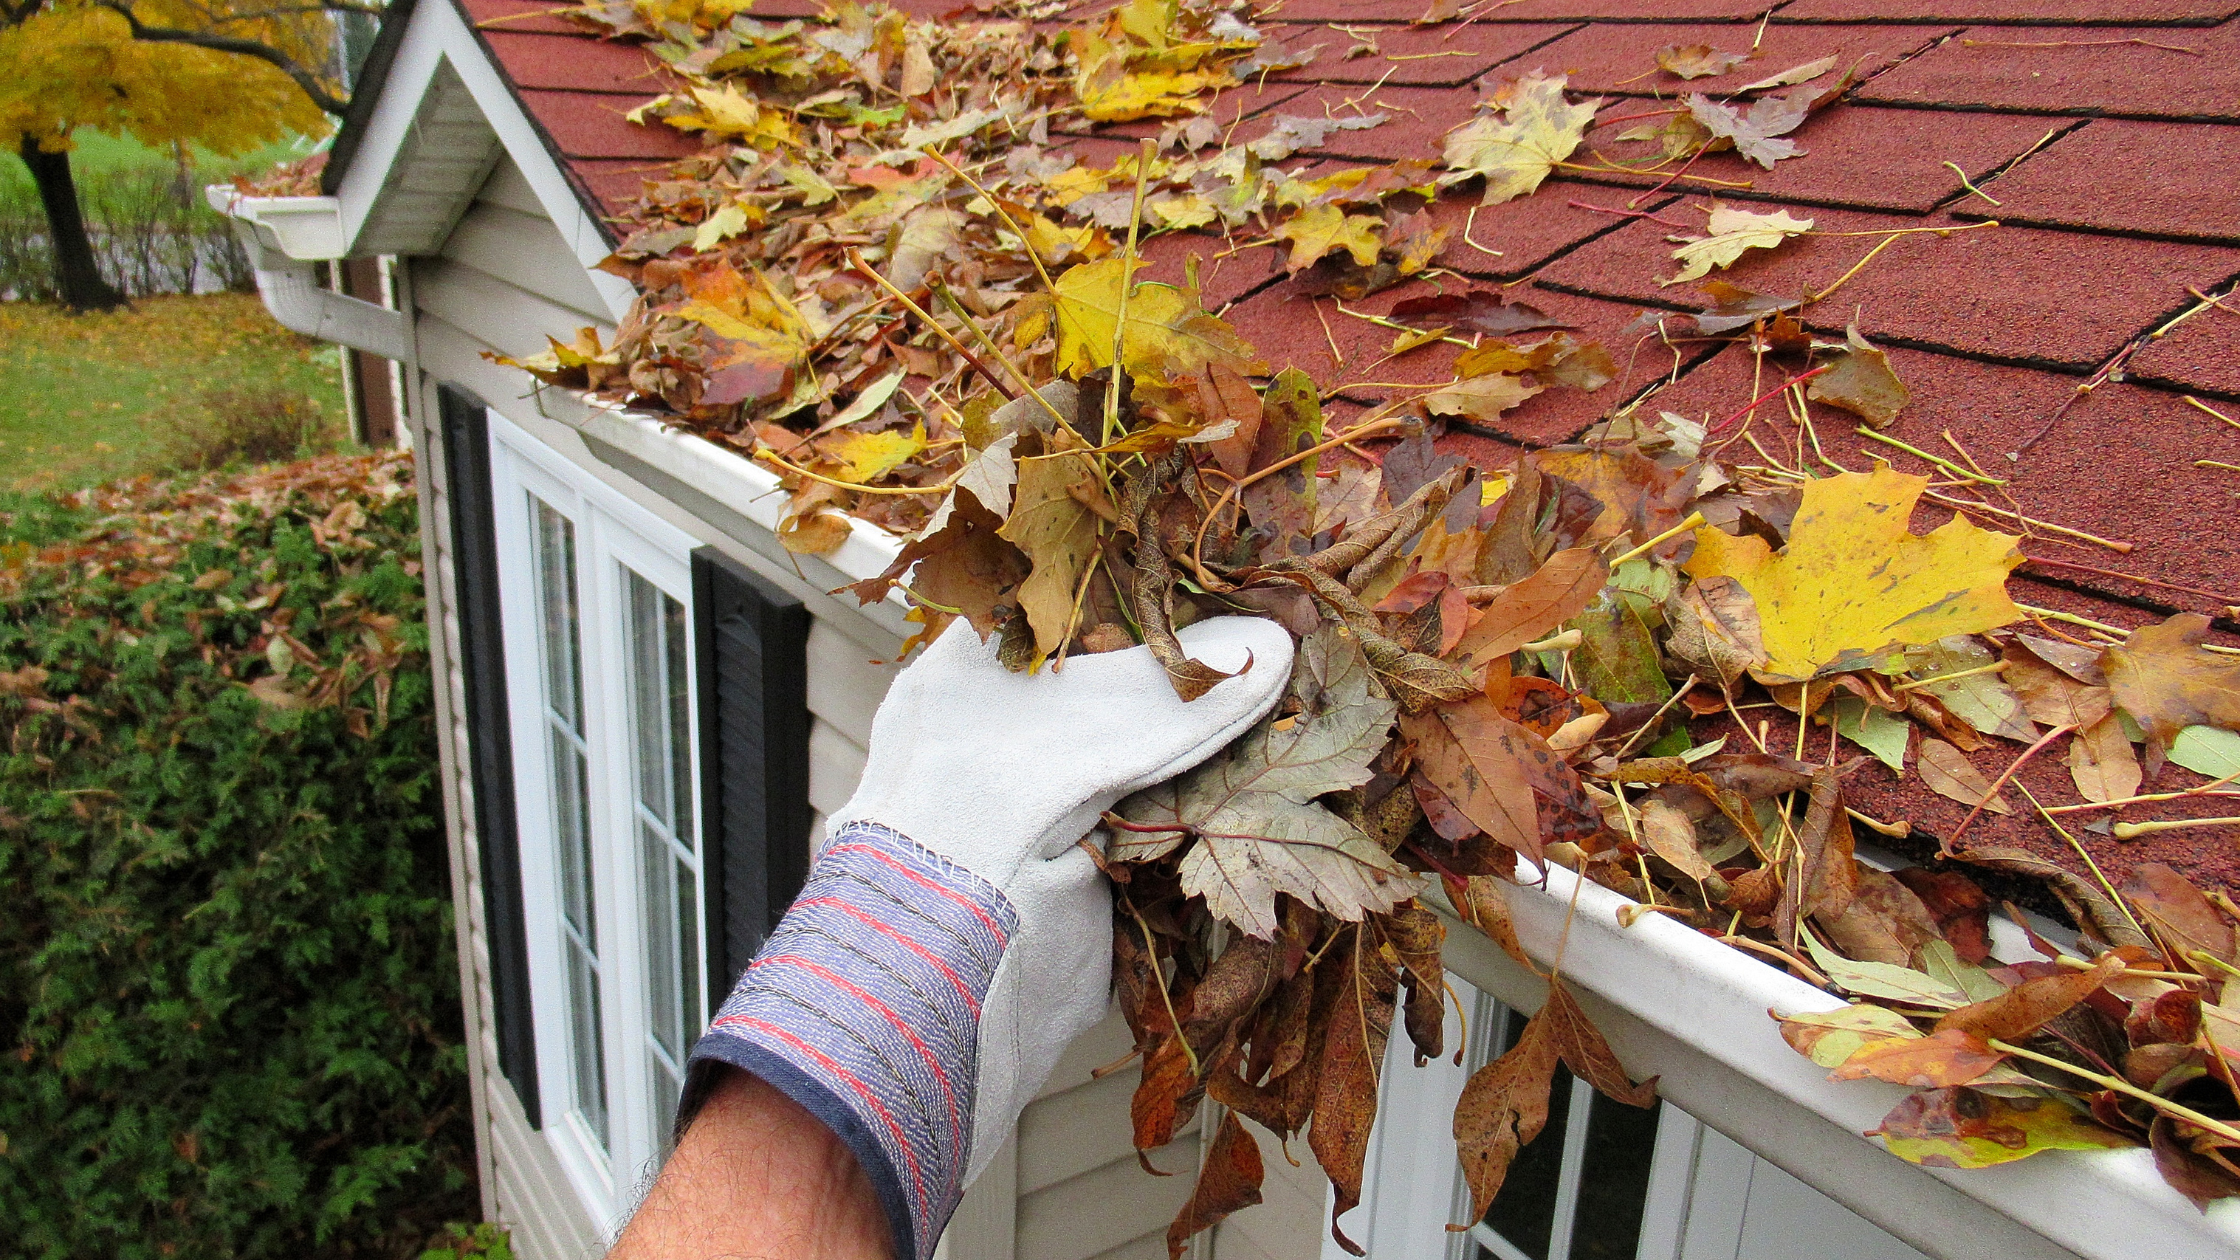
x,y
1585,1052
1504,1106
1228,1181
2102,763
2162,677
1861,381
1477,309
1697,61
1958,906
2022,1009
1948,772
1475,757
2172,906
1532,608
1479,901
1345,1105
2050,695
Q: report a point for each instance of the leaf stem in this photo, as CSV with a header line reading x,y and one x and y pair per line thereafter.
x,y
1695,521
1159,976
1911,683
1944,848
1145,152
1936,460
855,260
2106,885
2133,830
2121,1086
1752,405
798,471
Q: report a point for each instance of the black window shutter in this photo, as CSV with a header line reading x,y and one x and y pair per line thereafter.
x,y
482,664
752,642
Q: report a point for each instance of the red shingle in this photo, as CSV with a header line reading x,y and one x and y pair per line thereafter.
x,y
591,125
2199,356
1528,231
2118,463
2019,294
1881,159
616,181
2159,178
1411,55
1617,59
2064,70
576,63
1534,10
518,15
2082,12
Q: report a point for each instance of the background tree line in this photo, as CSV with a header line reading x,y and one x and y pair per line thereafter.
x,y
229,76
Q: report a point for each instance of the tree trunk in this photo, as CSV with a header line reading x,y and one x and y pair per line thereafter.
x,y
76,276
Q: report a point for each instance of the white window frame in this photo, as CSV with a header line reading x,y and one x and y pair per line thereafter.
x,y
611,532
1708,1198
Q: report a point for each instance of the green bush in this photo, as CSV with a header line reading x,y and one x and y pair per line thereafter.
x,y
228,995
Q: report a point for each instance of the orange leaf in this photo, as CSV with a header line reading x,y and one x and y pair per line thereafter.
x,y
1952,1056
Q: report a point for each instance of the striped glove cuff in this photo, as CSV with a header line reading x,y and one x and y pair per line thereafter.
x,y
864,1008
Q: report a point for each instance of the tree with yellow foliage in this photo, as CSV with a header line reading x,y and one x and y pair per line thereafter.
x,y
229,75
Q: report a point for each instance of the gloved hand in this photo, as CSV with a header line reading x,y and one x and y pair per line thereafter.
x,y
953,937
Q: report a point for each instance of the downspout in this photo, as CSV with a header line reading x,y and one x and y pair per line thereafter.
x,y
284,237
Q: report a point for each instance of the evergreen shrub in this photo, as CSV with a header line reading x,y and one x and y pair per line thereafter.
x,y
229,1016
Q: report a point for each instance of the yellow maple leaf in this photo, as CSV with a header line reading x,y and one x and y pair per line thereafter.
x,y
1164,323
866,457
1538,129
728,113
1854,583
1733,233
1316,232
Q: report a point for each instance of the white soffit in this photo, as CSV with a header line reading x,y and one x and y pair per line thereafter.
x,y
445,115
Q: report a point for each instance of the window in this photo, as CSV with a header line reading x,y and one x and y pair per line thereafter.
x,y
1602,1181
595,595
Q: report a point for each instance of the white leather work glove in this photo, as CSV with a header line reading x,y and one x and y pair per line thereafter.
x,y
953,937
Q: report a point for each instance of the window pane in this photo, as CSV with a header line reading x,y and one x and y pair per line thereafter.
x,y
688,950
660,711
559,610
556,590
1620,1142
586,1051
664,984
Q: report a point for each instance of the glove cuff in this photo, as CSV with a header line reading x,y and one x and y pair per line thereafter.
x,y
864,1008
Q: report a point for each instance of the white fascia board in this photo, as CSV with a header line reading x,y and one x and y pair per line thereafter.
x,y
1714,1000
738,483
438,33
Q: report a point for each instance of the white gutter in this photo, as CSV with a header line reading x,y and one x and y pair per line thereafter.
x,y
1678,1003
284,236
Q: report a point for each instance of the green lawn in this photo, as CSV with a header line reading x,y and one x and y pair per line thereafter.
x,y
85,398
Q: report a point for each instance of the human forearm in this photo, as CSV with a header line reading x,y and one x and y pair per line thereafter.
x,y
757,1178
